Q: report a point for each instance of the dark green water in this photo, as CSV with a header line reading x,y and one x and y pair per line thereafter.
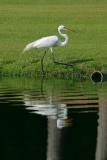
x,y
52,120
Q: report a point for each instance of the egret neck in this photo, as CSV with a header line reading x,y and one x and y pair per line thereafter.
x,y
63,35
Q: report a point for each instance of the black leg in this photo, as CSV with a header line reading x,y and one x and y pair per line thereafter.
x,y
53,58
42,67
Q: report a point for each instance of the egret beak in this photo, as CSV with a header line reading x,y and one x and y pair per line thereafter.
x,y
72,30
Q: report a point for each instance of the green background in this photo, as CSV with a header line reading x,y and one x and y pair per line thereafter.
x,y
24,22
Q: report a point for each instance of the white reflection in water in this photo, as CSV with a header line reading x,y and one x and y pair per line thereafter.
x,y
101,148
47,108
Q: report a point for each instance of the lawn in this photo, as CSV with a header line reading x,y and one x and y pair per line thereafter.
x,y
24,22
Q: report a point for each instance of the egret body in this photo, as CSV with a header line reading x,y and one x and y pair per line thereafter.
x,y
48,43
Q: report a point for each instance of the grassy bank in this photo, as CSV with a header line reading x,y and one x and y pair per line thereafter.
x,y
23,22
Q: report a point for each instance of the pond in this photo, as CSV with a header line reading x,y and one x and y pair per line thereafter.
x,y
52,119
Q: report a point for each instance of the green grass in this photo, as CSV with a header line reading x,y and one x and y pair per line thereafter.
x,y
23,22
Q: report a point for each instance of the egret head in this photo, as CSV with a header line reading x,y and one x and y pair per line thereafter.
x,y
62,27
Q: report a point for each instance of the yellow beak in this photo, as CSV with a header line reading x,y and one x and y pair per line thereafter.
x,y
70,29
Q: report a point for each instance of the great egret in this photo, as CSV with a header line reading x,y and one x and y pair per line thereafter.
x,y
48,43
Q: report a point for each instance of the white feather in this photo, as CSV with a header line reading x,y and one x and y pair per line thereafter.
x,y
48,42
45,42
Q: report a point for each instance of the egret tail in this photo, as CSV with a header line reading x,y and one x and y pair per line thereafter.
x,y
28,47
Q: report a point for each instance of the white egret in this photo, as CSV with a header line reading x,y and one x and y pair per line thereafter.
x,y
48,43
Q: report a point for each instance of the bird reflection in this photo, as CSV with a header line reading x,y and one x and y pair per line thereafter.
x,y
45,104
46,107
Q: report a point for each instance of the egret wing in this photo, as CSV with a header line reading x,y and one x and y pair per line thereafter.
x,y
46,42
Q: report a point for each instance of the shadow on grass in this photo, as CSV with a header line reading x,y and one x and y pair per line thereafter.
x,y
78,61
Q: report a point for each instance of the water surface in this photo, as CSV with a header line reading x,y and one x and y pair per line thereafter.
x,y
52,120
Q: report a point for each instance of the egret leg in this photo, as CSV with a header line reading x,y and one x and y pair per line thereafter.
x,y
54,61
42,66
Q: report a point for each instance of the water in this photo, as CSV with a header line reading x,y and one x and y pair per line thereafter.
x,y
52,120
